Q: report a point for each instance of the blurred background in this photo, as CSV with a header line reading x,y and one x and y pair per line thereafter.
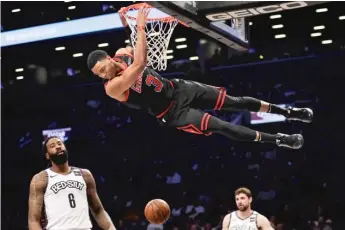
x,y
46,89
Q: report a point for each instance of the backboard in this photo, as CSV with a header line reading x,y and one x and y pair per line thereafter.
x,y
225,21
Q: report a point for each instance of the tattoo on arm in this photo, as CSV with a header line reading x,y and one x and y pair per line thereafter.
x,y
101,216
36,199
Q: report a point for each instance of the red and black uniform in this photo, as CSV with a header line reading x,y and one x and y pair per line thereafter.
x,y
180,103
177,103
150,91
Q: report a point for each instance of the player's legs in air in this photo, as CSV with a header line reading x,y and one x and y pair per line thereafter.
x,y
198,122
193,96
210,97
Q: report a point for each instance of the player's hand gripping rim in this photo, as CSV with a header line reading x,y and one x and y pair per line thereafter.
x,y
123,19
142,17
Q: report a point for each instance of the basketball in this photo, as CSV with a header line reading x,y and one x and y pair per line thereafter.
x,y
157,211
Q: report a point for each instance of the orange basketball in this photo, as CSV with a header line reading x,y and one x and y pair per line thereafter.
x,y
157,211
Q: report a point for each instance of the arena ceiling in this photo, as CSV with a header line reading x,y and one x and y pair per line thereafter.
x,y
315,29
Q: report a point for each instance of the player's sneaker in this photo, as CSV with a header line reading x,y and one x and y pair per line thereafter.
x,y
294,141
300,114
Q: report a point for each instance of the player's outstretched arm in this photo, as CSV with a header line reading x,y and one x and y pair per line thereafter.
x,y
140,56
101,216
129,47
263,223
119,85
226,222
36,198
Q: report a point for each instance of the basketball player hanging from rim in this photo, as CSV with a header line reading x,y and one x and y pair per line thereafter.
x,y
61,195
245,217
179,103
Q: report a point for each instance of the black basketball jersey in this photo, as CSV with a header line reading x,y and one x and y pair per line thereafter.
x,y
151,91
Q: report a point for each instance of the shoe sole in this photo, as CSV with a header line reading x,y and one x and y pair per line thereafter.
x,y
299,136
302,140
311,120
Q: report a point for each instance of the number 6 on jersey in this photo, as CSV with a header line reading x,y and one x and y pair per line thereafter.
x,y
71,200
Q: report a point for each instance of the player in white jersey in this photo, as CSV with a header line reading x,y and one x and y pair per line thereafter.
x,y
63,194
245,218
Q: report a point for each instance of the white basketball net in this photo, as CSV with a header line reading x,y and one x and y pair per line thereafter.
x,y
158,34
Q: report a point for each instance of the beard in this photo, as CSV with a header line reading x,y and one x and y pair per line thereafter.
x,y
243,208
59,159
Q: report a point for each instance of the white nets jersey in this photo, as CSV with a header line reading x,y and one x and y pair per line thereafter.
x,y
65,201
237,223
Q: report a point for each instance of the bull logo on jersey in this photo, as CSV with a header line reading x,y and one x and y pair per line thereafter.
x,y
66,184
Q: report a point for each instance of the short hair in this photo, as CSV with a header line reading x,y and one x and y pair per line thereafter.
x,y
94,57
243,190
44,147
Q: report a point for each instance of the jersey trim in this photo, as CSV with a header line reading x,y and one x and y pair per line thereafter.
x,y
230,220
169,107
165,111
127,96
69,172
220,100
244,218
256,220
44,218
204,122
195,130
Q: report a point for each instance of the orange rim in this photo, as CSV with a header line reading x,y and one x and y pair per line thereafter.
x,y
140,5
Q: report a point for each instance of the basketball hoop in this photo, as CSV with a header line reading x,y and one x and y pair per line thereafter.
x,y
159,28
